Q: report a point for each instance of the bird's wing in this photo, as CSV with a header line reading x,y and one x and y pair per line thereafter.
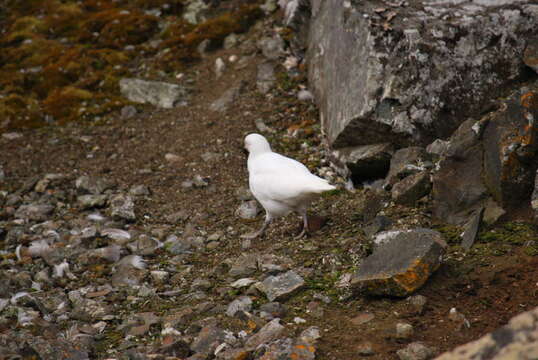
x,y
278,178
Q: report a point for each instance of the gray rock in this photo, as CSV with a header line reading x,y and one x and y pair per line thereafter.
x,y
438,147
194,11
248,210
274,309
91,201
34,212
412,188
207,340
379,223
530,56
366,161
178,246
417,303
270,332
365,349
404,331
139,324
243,303
220,67
369,94
244,265
402,265
122,207
470,229
128,112
265,78
118,235
227,98
492,211
516,340
92,185
139,190
416,351
51,349
157,93
405,162
271,47
230,41
281,286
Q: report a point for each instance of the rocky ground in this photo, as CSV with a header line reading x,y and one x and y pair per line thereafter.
x,y
120,237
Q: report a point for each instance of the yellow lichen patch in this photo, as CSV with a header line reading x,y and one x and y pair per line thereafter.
x,y
530,100
414,277
63,103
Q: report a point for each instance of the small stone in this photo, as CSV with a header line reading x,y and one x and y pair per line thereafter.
x,y
128,112
160,94
417,302
119,236
160,276
416,351
470,229
281,286
91,201
241,283
230,41
260,125
244,265
11,135
409,190
379,223
365,349
438,147
243,303
271,331
310,335
122,207
272,47
305,95
227,98
492,212
362,318
265,78
248,210
199,181
404,331
173,158
92,185
35,212
207,340
139,190
220,66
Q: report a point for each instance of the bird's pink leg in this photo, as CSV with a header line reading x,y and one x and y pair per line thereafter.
x,y
305,225
260,232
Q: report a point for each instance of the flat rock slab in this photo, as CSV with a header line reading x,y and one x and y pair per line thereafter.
x,y
402,265
281,286
158,93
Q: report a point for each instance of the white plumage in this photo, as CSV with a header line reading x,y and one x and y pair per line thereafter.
x,y
280,184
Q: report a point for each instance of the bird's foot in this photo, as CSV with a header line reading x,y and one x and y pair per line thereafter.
x,y
250,236
303,233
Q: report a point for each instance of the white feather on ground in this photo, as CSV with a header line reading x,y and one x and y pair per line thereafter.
x,y
280,184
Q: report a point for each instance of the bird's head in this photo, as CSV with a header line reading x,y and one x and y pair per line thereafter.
x,y
256,144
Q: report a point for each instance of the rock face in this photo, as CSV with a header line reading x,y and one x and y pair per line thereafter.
x,y
370,70
402,265
517,340
494,158
157,93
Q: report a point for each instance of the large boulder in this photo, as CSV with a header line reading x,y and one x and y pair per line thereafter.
x,y
517,340
494,158
401,265
406,74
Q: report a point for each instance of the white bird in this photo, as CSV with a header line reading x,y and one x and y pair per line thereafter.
x,y
280,184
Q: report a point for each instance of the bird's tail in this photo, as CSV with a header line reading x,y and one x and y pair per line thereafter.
x,y
321,186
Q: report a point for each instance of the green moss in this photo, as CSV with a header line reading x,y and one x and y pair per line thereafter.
x,y
450,233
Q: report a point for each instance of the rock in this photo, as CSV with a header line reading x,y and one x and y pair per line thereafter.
x,y
455,196
207,340
271,47
178,216
118,235
265,78
404,331
495,156
194,11
412,188
274,309
227,98
310,335
244,265
470,229
173,158
379,223
405,162
92,185
402,265
260,125
438,147
139,324
122,207
241,283
11,135
230,41
492,212
530,56
178,246
159,276
516,340
369,203
365,349
271,331
48,181
52,348
305,95
366,161
281,286
362,318
373,95
460,319
157,93
417,303
34,212
128,111
139,190
243,303
248,210
91,201
220,67
416,351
